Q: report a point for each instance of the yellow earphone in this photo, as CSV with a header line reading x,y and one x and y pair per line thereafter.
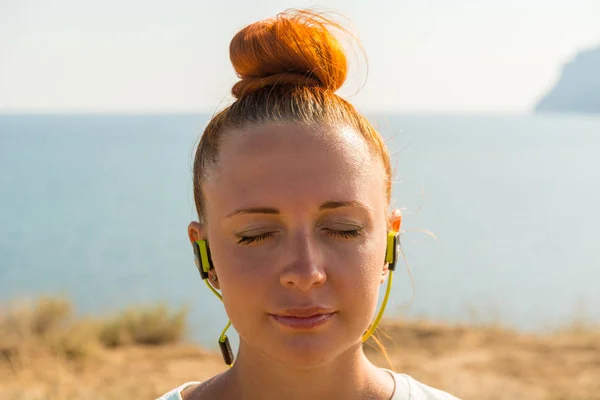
x,y
204,264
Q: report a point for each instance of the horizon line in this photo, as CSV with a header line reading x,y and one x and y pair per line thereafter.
x,y
204,112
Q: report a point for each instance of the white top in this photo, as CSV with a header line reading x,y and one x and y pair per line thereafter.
x,y
407,388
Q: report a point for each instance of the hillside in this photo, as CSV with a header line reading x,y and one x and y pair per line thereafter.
x,y
578,88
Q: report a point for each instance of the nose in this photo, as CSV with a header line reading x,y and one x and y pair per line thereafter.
x,y
303,263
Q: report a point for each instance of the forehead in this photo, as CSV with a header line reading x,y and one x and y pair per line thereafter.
x,y
291,165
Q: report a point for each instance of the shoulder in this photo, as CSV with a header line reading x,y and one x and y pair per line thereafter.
x,y
419,391
175,394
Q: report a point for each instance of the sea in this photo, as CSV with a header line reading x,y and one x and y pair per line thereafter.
x,y
501,216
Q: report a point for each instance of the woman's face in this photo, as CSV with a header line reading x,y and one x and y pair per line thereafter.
x,y
296,224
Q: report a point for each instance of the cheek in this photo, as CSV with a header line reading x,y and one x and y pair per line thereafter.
x,y
356,278
361,275
243,282
243,268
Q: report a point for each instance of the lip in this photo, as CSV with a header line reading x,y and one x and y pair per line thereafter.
x,y
303,318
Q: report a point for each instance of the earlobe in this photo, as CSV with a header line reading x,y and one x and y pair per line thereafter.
x,y
384,274
214,279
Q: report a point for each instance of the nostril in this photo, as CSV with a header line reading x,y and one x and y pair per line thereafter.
x,y
303,275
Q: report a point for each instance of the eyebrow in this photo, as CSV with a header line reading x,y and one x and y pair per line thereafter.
x,y
253,210
328,205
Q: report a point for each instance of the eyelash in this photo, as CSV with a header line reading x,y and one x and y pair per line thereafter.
x,y
346,234
247,240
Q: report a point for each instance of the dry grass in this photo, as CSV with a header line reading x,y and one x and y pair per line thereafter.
x,y
151,325
47,353
49,326
495,363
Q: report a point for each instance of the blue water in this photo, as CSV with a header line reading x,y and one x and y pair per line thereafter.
x,y
96,207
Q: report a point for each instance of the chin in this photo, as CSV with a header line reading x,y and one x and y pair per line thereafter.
x,y
301,348
305,351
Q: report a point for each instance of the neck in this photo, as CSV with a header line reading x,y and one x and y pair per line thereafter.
x,y
350,376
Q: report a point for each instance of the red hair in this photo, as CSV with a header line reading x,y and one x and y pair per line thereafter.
x,y
289,69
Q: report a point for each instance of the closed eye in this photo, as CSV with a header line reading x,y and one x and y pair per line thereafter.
x,y
247,240
352,234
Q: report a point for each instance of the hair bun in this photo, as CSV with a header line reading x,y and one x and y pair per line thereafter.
x,y
296,47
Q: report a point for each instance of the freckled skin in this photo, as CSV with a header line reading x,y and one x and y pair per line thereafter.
x,y
302,261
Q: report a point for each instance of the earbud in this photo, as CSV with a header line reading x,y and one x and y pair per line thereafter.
x,y
204,264
392,251
202,257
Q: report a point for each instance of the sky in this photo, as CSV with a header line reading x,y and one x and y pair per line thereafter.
x,y
425,56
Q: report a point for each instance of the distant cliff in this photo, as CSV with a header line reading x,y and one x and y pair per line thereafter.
x,y
578,89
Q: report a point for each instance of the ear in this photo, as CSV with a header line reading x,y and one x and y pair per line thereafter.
x,y
195,231
395,220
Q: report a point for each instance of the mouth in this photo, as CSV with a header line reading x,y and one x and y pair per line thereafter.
x,y
307,318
